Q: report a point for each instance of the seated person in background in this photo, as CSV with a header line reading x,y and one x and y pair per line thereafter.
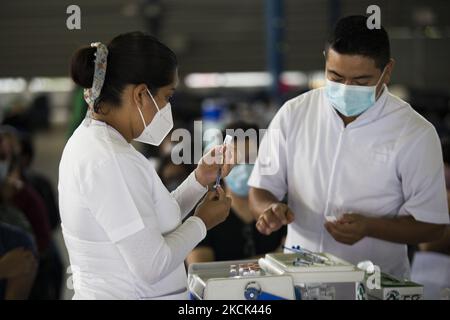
x,y
431,264
39,182
18,192
8,213
21,194
18,264
237,238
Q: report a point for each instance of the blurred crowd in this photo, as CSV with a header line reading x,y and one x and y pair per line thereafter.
x,y
30,263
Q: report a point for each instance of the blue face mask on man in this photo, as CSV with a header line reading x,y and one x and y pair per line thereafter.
x,y
351,100
237,179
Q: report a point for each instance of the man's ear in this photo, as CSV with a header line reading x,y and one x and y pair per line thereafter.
x,y
390,67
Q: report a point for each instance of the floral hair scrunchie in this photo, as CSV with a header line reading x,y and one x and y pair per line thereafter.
x,y
101,56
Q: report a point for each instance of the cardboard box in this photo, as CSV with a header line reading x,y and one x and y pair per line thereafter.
x,y
391,288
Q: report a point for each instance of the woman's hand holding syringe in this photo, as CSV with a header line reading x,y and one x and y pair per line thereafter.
x,y
216,164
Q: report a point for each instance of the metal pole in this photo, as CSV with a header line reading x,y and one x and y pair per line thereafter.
x,y
274,44
335,12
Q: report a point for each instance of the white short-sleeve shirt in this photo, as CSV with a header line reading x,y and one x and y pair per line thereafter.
x,y
388,162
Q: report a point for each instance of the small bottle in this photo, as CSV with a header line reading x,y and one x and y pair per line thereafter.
x,y
241,269
233,270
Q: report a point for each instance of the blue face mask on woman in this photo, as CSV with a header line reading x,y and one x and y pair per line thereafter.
x,y
351,100
237,179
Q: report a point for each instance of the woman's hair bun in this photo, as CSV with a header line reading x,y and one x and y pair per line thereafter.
x,y
82,66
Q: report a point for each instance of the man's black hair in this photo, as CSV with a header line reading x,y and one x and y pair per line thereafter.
x,y
352,36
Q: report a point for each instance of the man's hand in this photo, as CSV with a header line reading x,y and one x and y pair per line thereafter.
x,y
349,229
274,217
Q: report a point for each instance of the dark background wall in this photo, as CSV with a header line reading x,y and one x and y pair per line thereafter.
x,y
224,35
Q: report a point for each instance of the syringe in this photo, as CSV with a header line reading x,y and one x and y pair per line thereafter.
x,y
226,141
307,253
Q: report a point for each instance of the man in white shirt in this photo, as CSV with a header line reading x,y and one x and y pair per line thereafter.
x,y
362,171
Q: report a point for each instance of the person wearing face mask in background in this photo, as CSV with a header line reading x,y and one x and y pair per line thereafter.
x,y
18,193
431,263
237,237
122,228
18,254
362,170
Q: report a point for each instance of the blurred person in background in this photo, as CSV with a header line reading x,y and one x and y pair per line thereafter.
x,y
18,263
19,193
15,115
172,175
237,237
9,213
38,113
29,118
50,277
431,264
18,254
38,181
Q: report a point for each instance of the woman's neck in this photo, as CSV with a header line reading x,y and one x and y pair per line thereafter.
x,y
115,120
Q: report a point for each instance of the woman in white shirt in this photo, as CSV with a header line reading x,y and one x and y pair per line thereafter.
x,y
122,228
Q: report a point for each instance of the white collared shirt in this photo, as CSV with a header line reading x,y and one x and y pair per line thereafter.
x,y
388,162
108,194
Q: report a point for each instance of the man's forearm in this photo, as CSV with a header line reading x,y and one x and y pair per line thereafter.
x,y
441,246
403,230
260,200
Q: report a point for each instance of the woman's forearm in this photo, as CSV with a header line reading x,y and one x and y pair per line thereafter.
x,y
188,194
